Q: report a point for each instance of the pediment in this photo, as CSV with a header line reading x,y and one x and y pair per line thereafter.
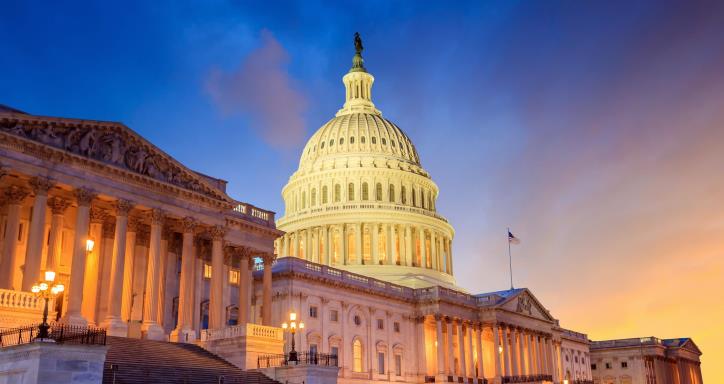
x,y
689,345
110,143
525,303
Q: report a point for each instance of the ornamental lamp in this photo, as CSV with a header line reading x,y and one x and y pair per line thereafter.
x,y
89,245
50,276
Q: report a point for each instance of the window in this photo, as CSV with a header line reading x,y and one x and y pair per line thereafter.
x,y
341,141
312,349
357,356
304,199
363,139
624,364
365,192
207,271
374,140
398,365
414,197
384,142
357,320
313,312
324,195
334,315
392,193
396,327
381,362
350,192
593,367
608,365
321,146
403,194
331,142
337,193
234,276
575,358
334,351
378,192
314,197
380,324
351,139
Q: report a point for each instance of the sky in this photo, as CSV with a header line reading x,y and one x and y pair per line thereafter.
x,y
594,130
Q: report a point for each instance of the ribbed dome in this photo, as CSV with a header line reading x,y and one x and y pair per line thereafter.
x,y
359,134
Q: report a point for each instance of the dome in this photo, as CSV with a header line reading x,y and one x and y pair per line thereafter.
x,y
362,202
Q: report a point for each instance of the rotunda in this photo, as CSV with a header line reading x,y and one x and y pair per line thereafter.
x,y
361,200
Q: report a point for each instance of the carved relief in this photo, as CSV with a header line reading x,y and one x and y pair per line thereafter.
x,y
15,194
84,196
41,185
58,205
123,207
97,215
524,304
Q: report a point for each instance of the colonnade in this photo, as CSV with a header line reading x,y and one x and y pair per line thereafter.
x,y
373,243
116,232
470,349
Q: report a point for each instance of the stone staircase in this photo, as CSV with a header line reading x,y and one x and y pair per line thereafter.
x,y
143,361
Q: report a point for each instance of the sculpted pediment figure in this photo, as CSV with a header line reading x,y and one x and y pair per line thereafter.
x,y
525,303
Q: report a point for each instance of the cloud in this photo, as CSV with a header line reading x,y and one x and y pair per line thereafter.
x,y
262,89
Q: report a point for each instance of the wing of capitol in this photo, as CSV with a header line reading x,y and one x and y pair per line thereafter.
x,y
138,266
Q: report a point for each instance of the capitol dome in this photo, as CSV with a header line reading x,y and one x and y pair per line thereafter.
x,y
361,200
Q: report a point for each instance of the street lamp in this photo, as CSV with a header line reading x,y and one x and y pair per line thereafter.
x,y
292,327
44,290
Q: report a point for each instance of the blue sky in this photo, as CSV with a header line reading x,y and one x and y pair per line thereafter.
x,y
592,129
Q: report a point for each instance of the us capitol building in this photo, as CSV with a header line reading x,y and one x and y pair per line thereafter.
x,y
361,254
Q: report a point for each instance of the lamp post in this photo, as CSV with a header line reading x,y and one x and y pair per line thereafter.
x,y
292,327
44,291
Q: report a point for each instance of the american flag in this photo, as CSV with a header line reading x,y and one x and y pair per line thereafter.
x,y
512,239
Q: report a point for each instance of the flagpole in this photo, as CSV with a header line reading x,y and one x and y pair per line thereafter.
x,y
510,259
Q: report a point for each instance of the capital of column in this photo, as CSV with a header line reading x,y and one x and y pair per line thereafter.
x,y
134,225
58,205
218,232
268,258
41,185
84,196
15,194
123,207
157,216
98,215
188,224
438,317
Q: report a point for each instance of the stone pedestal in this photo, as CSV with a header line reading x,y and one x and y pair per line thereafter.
x,y
241,345
183,336
44,363
116,327
308,374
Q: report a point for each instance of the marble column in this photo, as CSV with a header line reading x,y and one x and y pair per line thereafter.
x,y
216,296
285,245
150,326
531,363
55,244
267,290
130,255
450,349
408,247
184,325
295,245
326,258
91,280
374,243
461,349
244,285
14,197
440,346
479,345
36,235
315,245
506,350
512,345
307,244
420,338
113,322
449,256
358,243
343,244
391,244
166,239
77,271
469,347
433,251
496,350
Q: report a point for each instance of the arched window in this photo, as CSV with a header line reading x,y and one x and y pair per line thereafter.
x,y
350,192
392,193
351,139
337,193
365,192
324,194
331,142
374,140
304,199
363,139
357,356
414,197
403,195
384,142
314,197
341,141
378,192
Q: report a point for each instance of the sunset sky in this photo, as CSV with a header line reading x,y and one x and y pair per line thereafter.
x,y
595,130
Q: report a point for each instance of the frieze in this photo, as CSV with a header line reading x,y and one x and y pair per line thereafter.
x,y
111,144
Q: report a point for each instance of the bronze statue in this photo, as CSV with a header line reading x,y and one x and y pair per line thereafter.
x,y
358,43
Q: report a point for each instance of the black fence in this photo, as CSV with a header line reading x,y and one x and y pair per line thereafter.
x,y
60,333
527,378
303,358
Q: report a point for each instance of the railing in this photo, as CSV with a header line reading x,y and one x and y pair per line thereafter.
x,y
290,216
303,358
60,333
634,342
248,329
20,300
527,378
252,213
582,382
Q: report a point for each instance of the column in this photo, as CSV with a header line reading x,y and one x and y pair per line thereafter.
x,y
77,271
537,351
308,244
166,239
55,243
150,326
184,324
295,244
285,246
450,351
326,251
216,297
390,243
449,256
469,330
358,243
408,247
113,322
496,350
267,290
479,346
315,245
531,364
14,197
34,248
244,285
127,298
440,345
522,369
433,251
374,244
506,350
92,277
513,344
420,339
461,349
343,241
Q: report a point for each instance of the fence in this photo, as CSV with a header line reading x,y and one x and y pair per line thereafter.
x,y
303,358
60,333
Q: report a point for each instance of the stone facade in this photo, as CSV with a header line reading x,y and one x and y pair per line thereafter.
x,y
50,363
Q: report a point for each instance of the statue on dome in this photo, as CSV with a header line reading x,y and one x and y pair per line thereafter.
x,y
358,43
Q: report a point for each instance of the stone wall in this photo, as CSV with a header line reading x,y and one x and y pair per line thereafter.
x,y
50,363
